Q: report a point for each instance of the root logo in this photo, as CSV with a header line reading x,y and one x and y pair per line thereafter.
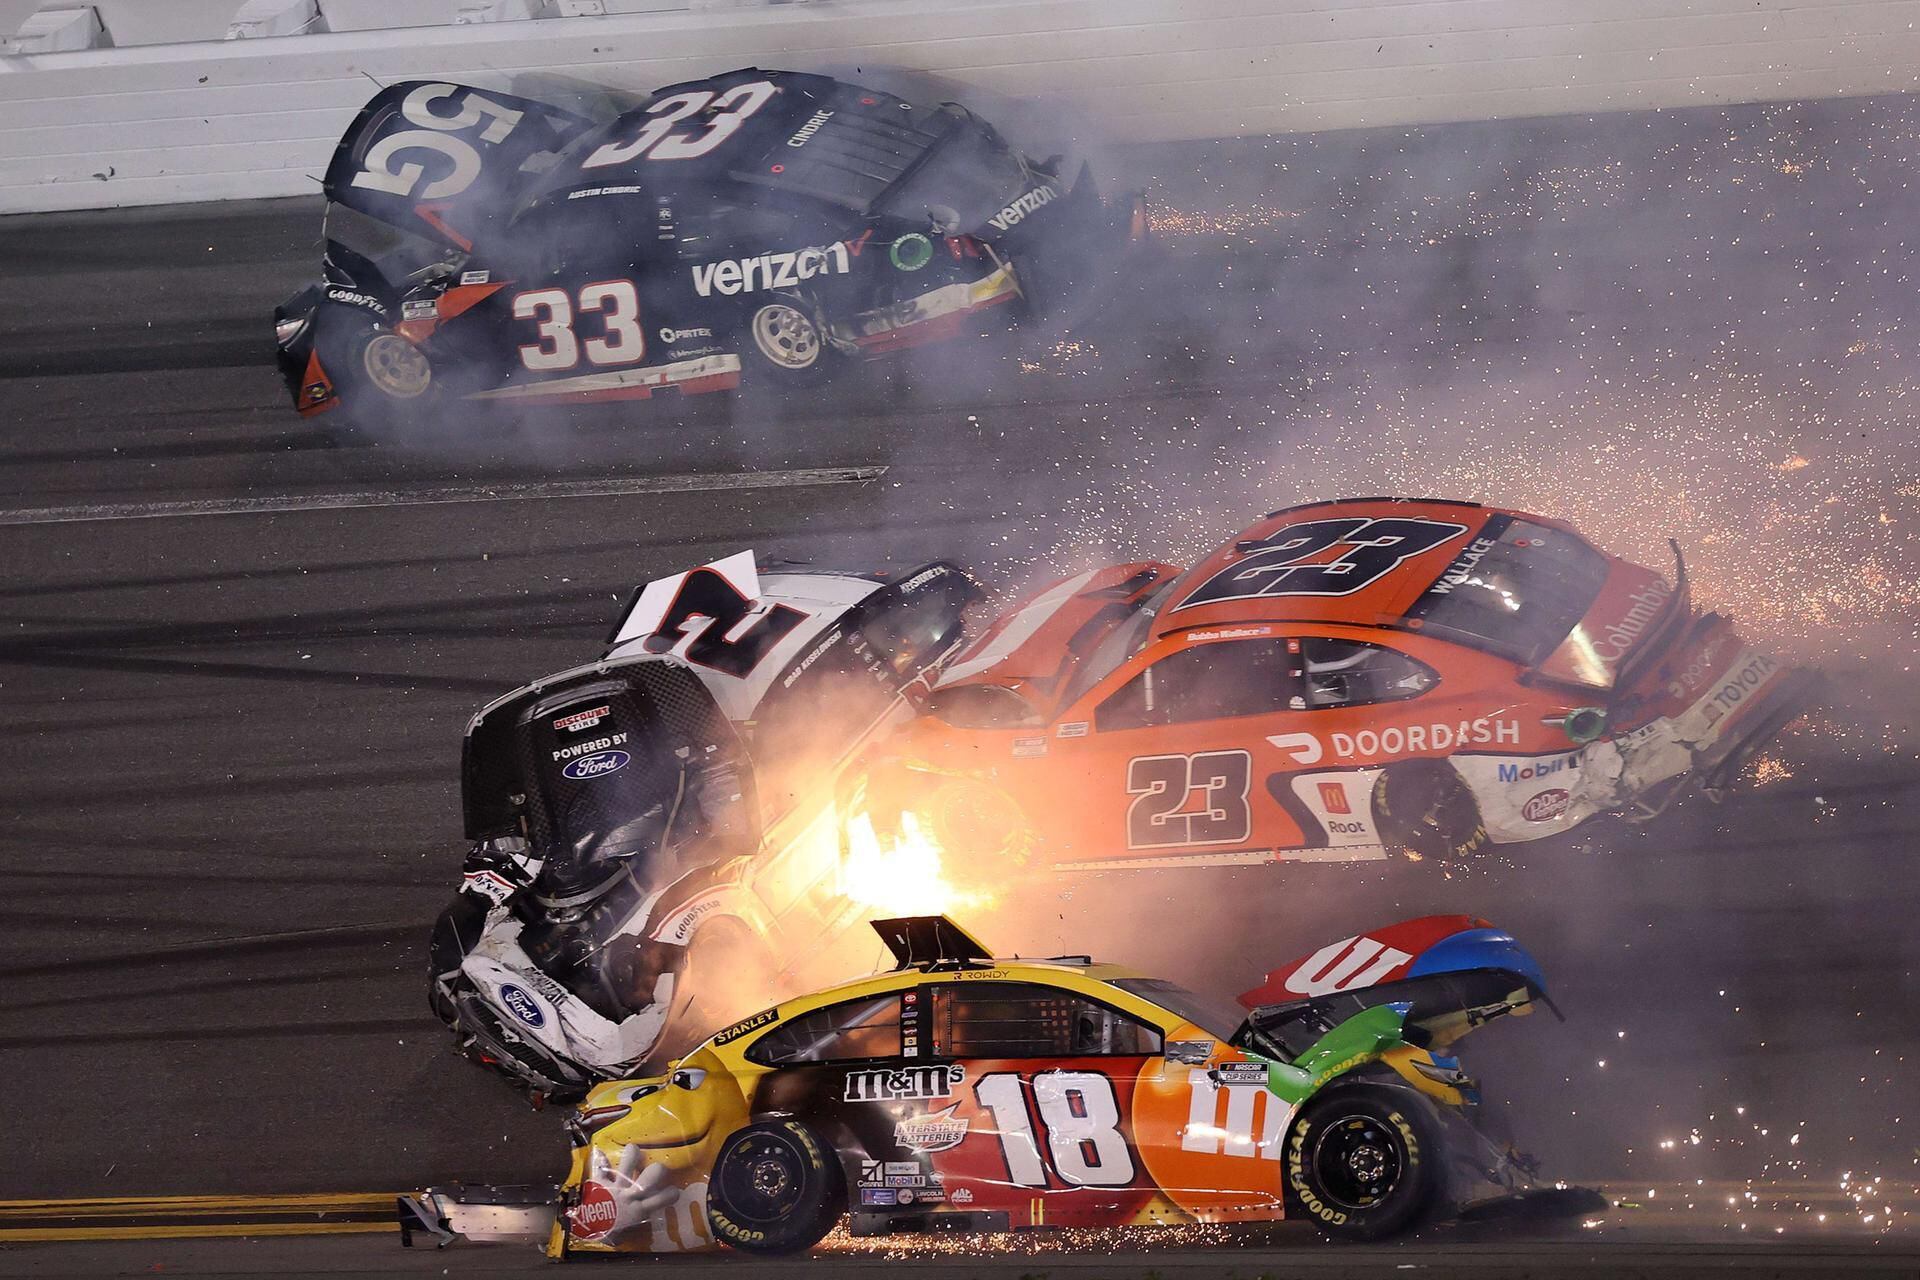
x,y
593,1217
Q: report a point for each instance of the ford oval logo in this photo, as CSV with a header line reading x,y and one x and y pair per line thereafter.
x,y
597,765
522,1005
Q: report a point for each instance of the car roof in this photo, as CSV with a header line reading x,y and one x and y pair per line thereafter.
x,y
1093,980
1381,601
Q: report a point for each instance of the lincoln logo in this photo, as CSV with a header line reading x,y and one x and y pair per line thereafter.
x,y
598,765
522,1005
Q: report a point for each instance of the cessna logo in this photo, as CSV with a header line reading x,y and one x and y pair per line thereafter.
x,y
769,271
810,128
1019,209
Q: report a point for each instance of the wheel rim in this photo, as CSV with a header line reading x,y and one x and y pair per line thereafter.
x,y
1358,1161
763,1178
786,336
395,366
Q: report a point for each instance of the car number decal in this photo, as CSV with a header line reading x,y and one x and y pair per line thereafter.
x,y
1275,565
435,134
622,339
1080,1120
722,115
1163,786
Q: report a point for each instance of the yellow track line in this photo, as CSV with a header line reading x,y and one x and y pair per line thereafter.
x,y
189,1232
355,1199
79,1219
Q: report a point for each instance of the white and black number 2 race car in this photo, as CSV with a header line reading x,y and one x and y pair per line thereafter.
x,y
485,247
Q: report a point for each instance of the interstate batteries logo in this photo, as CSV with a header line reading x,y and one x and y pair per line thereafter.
x,y
769,271
938,1131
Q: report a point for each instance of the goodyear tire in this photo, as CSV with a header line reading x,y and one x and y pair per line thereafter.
x,y
1425,812
1364,1161
776,1187
382,379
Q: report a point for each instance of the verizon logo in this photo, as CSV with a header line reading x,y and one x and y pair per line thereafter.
x,y
1019,209
769,271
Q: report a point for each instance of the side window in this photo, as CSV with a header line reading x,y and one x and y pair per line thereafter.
x,y
850,1031
1206,682
1351,673
1025,1020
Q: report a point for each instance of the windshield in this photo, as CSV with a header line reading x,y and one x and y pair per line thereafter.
x,y
1219,1018
1121,643
1516,590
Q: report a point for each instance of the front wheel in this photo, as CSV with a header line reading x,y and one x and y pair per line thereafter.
x,y
1364,1161
776,1187
381,378
1424,811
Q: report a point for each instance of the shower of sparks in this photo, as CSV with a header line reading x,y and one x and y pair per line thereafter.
x,y
1726,372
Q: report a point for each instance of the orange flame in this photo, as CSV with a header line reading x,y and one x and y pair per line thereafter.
x,y
904,875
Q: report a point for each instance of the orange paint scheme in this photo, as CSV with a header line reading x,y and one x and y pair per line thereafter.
x,y
1248,708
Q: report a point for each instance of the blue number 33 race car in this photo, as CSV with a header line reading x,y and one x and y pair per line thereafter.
x,y
486,247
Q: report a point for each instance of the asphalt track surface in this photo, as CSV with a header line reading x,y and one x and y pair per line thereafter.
x,y
237,656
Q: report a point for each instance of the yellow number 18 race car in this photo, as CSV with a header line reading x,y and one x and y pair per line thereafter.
x,y
962,1092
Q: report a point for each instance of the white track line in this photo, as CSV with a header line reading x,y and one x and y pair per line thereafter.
x,y
462,493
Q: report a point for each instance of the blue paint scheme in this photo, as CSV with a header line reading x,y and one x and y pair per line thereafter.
x,y
1478,949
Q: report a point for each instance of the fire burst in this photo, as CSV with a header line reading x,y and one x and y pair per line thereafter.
x,y
902,874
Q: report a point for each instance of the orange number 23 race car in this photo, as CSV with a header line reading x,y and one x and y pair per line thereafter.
x,y
1342,680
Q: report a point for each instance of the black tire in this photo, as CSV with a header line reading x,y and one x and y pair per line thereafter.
x,y
776,1187
383,381
1425,812
783,342
1364,1161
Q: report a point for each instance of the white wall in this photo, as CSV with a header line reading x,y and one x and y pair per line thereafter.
x,y
256,118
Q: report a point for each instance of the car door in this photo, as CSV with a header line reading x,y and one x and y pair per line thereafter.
x,y
1170,752
1038,1122
1323,754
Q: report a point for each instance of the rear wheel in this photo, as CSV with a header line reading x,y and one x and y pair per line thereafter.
x,y
1424,811
776,1187
786,343
1364,1161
